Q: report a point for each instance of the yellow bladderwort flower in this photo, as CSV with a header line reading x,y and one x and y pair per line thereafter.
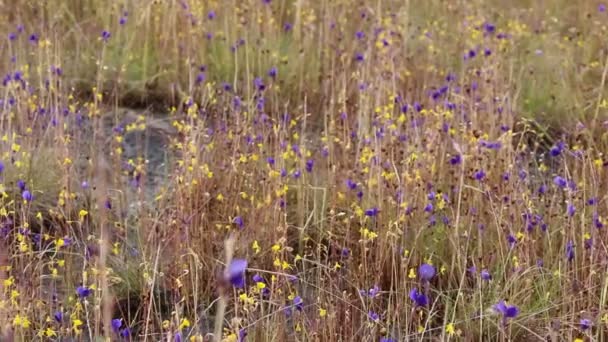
x,y
185,323
450,329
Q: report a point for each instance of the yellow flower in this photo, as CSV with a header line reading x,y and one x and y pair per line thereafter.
x,y
322,312
184,324
450,329
49,332
412,273
256,247
21,321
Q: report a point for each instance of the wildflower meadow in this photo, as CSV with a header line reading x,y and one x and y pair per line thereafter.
x,y
303,170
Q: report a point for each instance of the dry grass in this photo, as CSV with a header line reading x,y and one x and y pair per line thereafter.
x,y
334,145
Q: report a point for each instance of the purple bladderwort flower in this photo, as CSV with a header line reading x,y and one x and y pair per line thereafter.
x,y
372,212
485,275
570,251
125,333
273,72
556,150
58,316
585,323
83,291
21,185
27,196
200,78
570,209
426,272
560,181
373,316
105,36
419,298
116,324
259,84
387,339
238,221
235,273
507,311
298,303
456,159
479,175
350,184
309,165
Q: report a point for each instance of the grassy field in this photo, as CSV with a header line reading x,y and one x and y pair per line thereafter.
x,y
303,170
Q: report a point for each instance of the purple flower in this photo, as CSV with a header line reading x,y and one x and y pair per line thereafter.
x,y
570,251
122,21
21,185
33,38
83,291
507,311
359,35
560,181
259,84
116,324
418,298
479,175
200,78
373,316
211,15
359,57
27,196
372,212
238,221
570,209
257,278
511,240
105,35
485,275
236,272
456,160
178,337
58,316
556,150
601,8
243,332
374,291
350,184
298,303
426,272
309,164
586,323
126,332
273,72
1,167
